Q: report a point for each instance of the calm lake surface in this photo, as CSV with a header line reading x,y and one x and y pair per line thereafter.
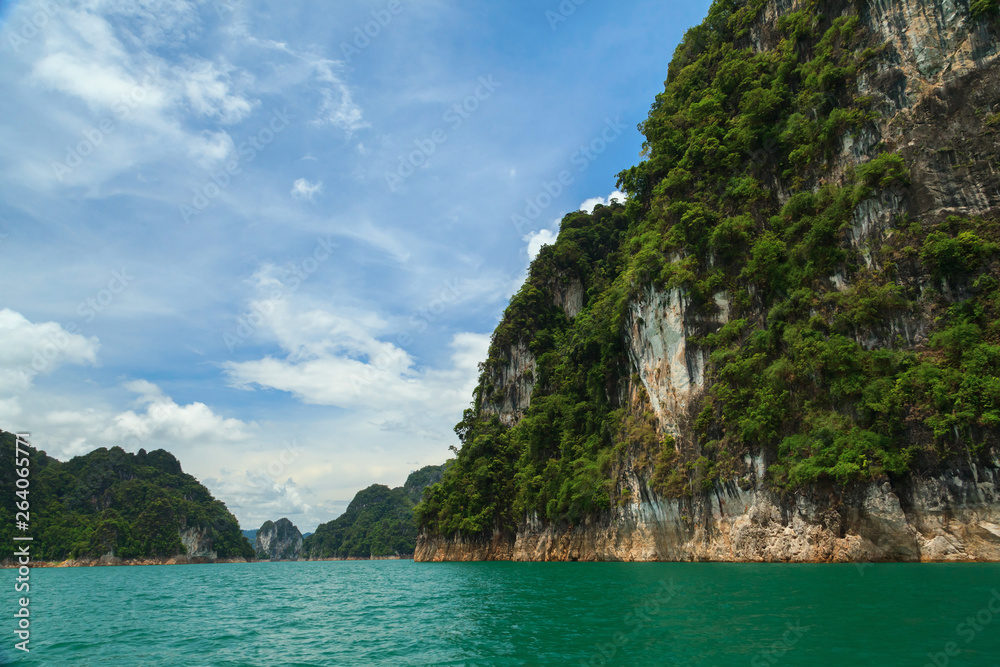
x,y
405,613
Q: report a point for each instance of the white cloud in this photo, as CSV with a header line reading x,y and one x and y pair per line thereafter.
x,y
28,349
590,204
536,240
10,409
158,416
337,359
140,107
154,421
210,148
255,498
208,89
340,110
84,57
304,190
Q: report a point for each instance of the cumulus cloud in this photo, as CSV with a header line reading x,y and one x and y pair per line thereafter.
x,y
544,237
255,497
154,420
28,349
590,204
158,416
302,189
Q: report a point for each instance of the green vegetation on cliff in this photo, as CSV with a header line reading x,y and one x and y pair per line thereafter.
x,y
379,522
110,501
741,197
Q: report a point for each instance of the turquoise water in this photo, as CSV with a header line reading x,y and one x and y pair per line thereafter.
x,y
405,613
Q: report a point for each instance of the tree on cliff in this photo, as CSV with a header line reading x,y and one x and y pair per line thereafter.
x,y
839,354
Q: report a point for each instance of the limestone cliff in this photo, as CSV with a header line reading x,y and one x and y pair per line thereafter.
x,y
951,517
278,540
512,382
924,90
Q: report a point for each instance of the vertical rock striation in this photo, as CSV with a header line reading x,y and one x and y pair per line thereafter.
x,y
279,540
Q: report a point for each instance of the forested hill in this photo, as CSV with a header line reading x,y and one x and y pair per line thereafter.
x,y
379,522
130,506
800,298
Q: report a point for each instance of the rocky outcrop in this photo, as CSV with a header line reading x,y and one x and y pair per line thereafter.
x,y
568,295
670,370
954,516
512,385
279,540
198,544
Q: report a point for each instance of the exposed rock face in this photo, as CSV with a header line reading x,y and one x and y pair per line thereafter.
x,y
198,544
951,517
671,372
512,383
512,386
938,91
279,540
568,295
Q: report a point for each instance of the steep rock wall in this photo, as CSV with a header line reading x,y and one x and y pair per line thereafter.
x,y
670,370
198,543
279,540
938,91
568,295
512,385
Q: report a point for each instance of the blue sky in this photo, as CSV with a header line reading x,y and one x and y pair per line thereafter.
x,y
274,238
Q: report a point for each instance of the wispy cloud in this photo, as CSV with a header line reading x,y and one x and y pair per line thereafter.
x,y
303,189
338,359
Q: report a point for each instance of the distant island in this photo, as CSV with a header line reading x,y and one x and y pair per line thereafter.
x,y
278,540
113,507
379,523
